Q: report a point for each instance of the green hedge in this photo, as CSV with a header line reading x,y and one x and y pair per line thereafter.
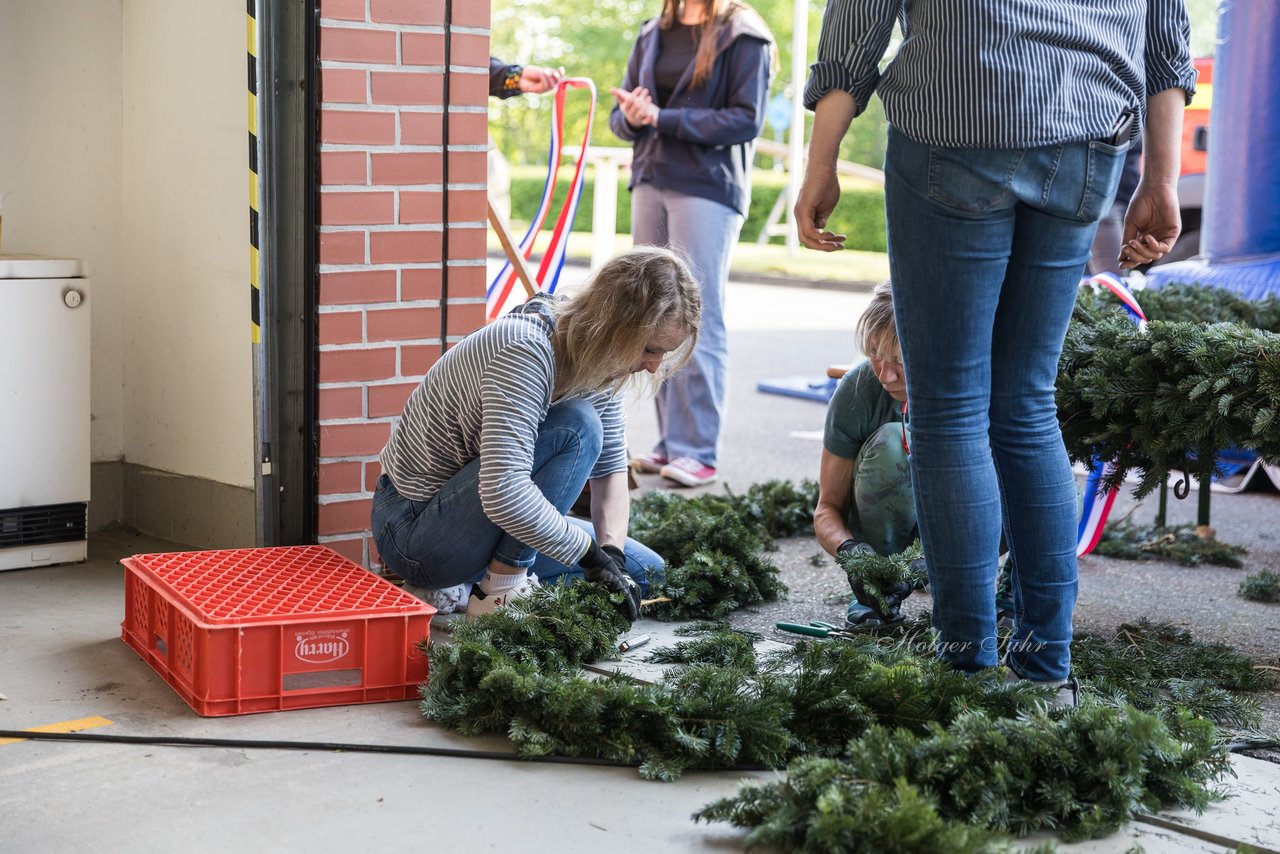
x,y
860,214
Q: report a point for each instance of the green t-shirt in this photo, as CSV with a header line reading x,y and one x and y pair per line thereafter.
x,y
858,409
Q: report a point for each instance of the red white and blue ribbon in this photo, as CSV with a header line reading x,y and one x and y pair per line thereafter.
x,y
500,289
1097,500
1112,282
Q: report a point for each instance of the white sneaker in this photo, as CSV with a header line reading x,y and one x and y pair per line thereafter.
x,y
1066,693
446,600
481,603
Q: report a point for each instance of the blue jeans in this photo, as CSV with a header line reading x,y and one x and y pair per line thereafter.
x,y
691,404
449,540
986,248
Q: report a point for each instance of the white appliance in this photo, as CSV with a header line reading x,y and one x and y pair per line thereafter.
x,y
44,411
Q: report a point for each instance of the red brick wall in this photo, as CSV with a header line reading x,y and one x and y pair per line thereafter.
x,y
386,291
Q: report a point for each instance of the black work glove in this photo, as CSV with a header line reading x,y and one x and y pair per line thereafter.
x,y
606,565
894,598
890,610
920,572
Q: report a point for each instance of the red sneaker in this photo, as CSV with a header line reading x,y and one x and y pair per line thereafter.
x,y
688,471
648,463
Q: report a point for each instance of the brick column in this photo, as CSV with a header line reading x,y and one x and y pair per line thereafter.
x,y
395,287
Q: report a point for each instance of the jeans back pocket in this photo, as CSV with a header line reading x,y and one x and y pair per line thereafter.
x,y
1103,164
973,180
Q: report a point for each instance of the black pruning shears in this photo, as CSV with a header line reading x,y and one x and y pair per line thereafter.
x,y
815,629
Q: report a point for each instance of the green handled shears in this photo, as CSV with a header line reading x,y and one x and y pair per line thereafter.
x,y
815,628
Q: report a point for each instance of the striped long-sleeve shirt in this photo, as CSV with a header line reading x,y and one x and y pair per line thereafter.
x,y
1004,73
486,398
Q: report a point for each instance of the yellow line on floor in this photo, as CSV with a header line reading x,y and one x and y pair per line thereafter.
x,y
64,726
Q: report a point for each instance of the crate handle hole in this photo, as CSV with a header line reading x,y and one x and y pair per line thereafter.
x,y
352,677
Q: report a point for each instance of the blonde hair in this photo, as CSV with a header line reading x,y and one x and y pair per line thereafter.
x,y
602,331
877,332
718,14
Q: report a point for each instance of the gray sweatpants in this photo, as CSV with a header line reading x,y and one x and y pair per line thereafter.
x,y
692,404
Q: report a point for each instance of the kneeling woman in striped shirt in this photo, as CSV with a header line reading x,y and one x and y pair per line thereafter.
x,y
504,431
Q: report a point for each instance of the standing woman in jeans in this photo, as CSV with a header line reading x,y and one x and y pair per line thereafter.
x,y
693,103
1009,121
508,426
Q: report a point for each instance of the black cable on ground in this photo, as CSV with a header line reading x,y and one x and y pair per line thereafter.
x,y
1258,744
328,746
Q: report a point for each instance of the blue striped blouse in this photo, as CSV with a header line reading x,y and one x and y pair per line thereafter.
x,y
1004,73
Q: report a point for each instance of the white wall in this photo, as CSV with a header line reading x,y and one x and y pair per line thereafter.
x,y
188,399
60,158
123,141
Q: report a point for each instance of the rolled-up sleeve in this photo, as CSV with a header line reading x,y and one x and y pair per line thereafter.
x,y
1167,54
855,35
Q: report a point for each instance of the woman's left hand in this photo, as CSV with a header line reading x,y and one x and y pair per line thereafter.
x,y
607,565
637,106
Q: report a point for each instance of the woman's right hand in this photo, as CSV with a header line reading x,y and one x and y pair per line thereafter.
x,y
818,197
637,106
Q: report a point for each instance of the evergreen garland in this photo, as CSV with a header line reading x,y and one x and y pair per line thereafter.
x,y
1178,543
518,671
1083,775
1167,399
495,670
824,806
890,748
1261,587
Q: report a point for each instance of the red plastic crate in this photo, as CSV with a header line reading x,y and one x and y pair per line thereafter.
x,y
261,630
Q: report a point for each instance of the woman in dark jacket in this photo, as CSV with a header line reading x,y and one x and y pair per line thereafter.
x,y
693,103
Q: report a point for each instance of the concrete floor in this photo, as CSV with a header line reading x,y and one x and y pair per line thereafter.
x,y
64,660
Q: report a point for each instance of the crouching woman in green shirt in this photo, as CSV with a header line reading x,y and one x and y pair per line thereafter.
x,y
865,501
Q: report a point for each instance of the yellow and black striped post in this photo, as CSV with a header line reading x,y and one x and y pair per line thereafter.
x,y
254,256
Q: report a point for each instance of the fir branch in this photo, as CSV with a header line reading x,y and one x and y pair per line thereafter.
x,y
711,584
879,573
724,647
701,627
713,548
1193,303
1261,587
1179,543
779,508
1157,666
